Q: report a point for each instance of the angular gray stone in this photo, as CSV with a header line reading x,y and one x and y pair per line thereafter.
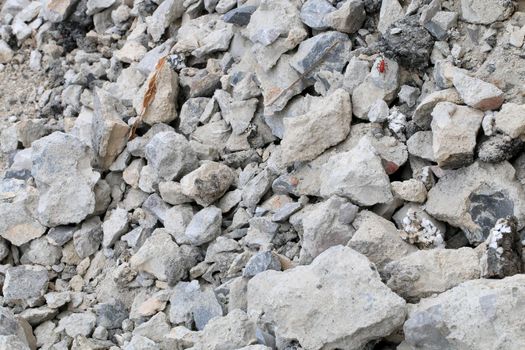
x,y
204,35
313,13
61,166
171,155
378,239
110,132
163,107
233,331
191,303
205,226
475,197
348,18
272,39
88,237
339,276
465,317
324,225
41,252
376,86
77,324
111,314
18,224
239,16
485,11
25,284
325,125
357,175
154,255
115,226
208,183
261,262
426,272
167,12
454,131
476,93
328,51
511,119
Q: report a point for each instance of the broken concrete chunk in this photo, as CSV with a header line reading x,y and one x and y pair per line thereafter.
x,y
485,11
204,35
110,133
167,12
324,225
376,86
25,284
163,107
272,39
348,18
154,255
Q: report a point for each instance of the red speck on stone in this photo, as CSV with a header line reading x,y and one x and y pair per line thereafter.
x,y
294,181
390,167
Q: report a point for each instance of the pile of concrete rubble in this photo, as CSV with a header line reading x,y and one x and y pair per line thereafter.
x,y
262,174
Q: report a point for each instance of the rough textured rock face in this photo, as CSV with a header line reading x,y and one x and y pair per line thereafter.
x,y
427,272
475,197
277,298
326,124
454,131
358,175
378,239
61,166
413,47
458,318
503,256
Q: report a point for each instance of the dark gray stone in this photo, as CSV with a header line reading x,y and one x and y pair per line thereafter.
x,y
327,51
498,148
110,315
261,262
240,15
410,46
503,256
60,235
88,237
178,268
485,209
313,13
25,284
